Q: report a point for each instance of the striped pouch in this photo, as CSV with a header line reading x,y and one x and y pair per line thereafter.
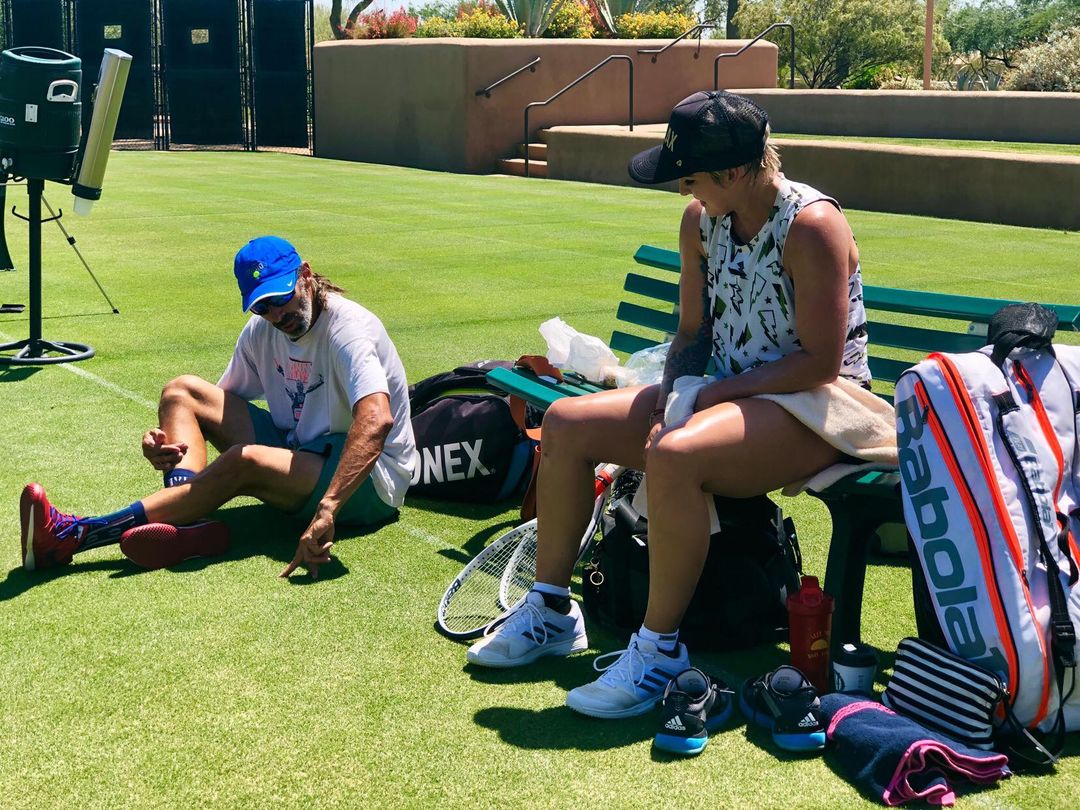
x,y
944,692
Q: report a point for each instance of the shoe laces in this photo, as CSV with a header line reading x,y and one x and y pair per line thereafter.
x,y
525,616
629,666
63,524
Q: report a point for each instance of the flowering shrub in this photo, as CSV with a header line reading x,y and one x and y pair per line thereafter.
x,y
1053,65
571,20
378,25
653,24
486,22
436,27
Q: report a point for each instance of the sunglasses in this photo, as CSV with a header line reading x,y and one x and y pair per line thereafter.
x,y
263,306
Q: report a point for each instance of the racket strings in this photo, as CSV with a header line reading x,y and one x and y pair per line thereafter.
x,y
476,601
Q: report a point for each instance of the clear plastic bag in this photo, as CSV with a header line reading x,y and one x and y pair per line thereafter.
x,y
587,355
645,367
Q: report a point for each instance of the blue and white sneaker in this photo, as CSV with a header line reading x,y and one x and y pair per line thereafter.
x,y
694,705
531,631
632,684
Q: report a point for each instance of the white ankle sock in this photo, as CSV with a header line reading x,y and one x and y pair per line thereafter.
x,y
551,590
665,642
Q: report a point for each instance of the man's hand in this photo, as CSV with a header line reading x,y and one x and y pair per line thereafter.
x,y
161,455
315,544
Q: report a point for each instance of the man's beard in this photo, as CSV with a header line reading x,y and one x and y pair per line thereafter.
x,y
296,324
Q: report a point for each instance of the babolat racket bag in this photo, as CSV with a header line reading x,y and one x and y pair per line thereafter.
x,y
469,446
989,465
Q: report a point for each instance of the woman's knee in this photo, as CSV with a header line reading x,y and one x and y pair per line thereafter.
x,y
675,459
564,421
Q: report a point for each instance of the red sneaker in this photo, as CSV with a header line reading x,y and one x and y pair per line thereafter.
x,y
49,538
161,545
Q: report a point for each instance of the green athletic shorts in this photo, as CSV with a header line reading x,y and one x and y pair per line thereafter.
x,y
364,508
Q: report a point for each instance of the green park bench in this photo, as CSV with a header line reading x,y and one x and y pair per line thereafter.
x,y
904,326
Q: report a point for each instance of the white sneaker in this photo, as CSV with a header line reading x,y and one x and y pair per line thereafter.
x,y
632,684
531,631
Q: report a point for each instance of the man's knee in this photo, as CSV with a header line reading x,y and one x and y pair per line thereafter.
x,y
186,390
247,464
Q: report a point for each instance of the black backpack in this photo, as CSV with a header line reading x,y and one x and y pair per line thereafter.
x,y
753,563
468,444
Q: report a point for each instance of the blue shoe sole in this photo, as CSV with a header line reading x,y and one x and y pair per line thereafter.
x,y
812,741
808,741
686,746
757,718
716,720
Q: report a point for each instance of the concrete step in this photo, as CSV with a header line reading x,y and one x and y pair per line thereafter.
x,y
516,166
537,151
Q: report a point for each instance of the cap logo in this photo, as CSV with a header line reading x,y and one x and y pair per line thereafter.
x,y
669,140
258,270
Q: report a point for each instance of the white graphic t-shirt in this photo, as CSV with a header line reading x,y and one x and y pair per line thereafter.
x,y
311,385
753,299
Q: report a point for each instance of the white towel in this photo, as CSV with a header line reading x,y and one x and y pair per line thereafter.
x,y
847,416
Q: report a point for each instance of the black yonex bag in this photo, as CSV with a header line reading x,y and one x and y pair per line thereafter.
x,y
469,447
754,562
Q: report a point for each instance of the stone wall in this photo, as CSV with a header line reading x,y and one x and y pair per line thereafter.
x,y
413,102
1007,188
997,116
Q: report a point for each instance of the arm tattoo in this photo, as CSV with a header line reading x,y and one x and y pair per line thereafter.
x,y
690,356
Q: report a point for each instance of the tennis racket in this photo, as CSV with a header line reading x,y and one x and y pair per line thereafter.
x,y
520,572
498,578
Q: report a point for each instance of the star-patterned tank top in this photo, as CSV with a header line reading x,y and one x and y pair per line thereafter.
x,y
753,299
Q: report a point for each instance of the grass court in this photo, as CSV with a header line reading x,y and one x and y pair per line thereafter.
x,y
215,684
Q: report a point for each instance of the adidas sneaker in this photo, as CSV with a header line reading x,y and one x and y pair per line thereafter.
x,y
531,631
693,706
630,685
785,702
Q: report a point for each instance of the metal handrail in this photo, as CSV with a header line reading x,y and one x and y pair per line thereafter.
x,y
697,29
716,61
531,67
575,83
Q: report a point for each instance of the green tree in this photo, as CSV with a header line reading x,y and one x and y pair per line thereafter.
x,y
996,30
837,39
725,10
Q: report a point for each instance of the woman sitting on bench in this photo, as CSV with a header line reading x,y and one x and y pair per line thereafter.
x,y
770,291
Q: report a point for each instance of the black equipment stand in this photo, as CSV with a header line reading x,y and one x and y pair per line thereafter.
x,y
34,351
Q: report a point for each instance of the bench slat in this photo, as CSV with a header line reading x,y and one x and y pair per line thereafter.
x,y
531,388
927,340
654,288
657,257
623,342
886,370
912,302
959,307
649,318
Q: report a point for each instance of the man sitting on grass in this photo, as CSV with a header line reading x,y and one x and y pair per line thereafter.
x,y
336,445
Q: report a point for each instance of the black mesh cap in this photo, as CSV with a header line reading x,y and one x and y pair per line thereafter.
x,y
707,132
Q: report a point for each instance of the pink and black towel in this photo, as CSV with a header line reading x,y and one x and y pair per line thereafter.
x,y
892,756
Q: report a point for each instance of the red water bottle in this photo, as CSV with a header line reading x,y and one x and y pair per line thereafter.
x,y
810,619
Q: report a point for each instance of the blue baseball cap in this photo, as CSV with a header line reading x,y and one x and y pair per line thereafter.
x,y
265,267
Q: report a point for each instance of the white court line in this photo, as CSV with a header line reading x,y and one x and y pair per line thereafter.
x,y
94,378
428,537
116,389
